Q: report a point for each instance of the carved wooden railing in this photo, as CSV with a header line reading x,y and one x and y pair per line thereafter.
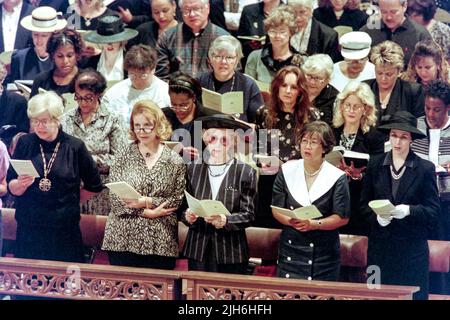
x,y
51,279
215,286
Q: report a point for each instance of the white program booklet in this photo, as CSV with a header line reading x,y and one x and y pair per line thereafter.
x,y
123,190
302,213
24,168
381,207
205,208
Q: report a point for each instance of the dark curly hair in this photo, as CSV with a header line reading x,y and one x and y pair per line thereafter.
x,y
65,37
92,80
439,89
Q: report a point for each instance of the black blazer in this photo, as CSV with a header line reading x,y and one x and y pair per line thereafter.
x,y
25,65
323,39
406,96
418,190
324,102
355,19
23,36
238,194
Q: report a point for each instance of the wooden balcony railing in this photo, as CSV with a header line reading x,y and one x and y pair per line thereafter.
x,y
51,279
215,286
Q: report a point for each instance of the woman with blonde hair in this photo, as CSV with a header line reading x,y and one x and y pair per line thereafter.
x,y
393,94
263,64
144,232
354,129
427,63
86,14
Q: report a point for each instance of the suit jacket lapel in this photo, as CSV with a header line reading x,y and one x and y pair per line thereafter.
x,y
406,181
202,186
22,34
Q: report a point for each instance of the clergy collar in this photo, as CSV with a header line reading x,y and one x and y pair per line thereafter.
x,y
188,33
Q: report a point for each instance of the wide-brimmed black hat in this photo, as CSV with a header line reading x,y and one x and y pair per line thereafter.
x,y
403,120
222,121
110,29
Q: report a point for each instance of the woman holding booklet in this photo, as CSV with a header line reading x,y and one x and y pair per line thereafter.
x,y
143,232
48,204
398,240
354,129
309,248
224,55
218,241
100,129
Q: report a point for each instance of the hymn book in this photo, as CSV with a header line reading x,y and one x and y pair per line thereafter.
x,y
205,208
302,213
338,153
123,190
24,168
229,102
382,208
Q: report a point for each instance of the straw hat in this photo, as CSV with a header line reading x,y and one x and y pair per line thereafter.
x,y
44,19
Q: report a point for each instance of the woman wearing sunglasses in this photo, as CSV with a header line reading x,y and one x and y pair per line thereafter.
x,y
100,129
218,243
144,232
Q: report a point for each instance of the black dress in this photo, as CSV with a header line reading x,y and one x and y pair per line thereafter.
x,y
312,255
324,103
371,143
45,81
355,19
48,221
400,249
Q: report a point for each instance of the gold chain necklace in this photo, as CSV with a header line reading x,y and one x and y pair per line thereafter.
x,y
45,184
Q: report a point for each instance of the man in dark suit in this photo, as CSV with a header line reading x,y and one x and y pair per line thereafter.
x,y
217,242
17,37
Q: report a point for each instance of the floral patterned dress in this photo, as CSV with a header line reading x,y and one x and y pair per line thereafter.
x,y
103,137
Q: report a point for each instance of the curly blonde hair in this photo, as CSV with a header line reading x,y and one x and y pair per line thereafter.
x,y
387,53
365,94
154,115
281,16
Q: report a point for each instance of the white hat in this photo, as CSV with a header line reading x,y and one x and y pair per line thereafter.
x,y
44,19
355,45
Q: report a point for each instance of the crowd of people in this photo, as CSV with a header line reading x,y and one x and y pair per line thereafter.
x,y
113,87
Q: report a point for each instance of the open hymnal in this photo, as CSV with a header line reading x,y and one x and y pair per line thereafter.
x,y
123,190
230,102
263,86
338,153
24,86
24,168
272,161
302,213
205,208
382,207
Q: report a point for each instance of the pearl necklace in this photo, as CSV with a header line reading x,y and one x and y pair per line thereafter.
x,y
314,173
397,176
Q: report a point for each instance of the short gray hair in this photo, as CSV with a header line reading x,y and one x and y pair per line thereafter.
x,y
49,102
318,63
180,2
226,43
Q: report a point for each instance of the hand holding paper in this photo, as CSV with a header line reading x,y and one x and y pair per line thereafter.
x,y
400,211
123,190
24,168
383,208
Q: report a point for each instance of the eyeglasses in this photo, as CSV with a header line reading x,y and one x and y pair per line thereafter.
x,y
145,129
228,59
310,77
195,11
142,76
182,107
312,143
355,107
281,33
221,140
45,123
89,98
